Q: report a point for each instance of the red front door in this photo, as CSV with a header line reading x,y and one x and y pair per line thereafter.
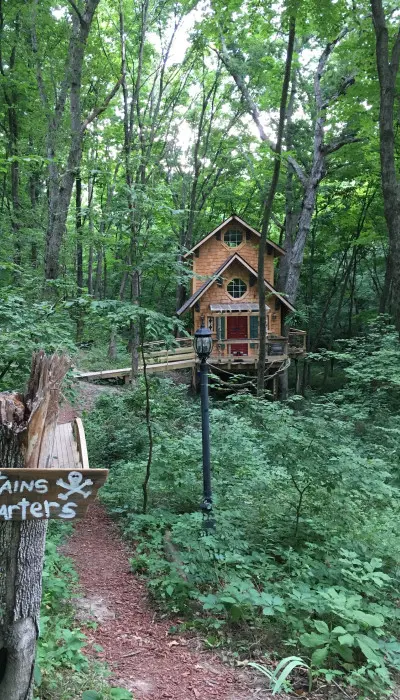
x,y
237,328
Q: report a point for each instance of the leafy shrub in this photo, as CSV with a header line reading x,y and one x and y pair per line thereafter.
x,y
26,326
305,554
62,671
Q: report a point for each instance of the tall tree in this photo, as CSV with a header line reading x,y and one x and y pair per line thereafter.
x,y
61,180
297,227
9,84
267,213
27,426
387,60
296,236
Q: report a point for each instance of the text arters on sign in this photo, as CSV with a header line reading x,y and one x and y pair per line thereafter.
x,y
41,494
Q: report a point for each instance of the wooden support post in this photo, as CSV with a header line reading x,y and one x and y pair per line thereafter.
x,y
194,380
304,378
275,387
298,387
27,428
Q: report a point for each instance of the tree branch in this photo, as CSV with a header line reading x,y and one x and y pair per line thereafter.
x,y
277,222
395,57
244,91
99,110
346,82
253,109
298,170
321,67
339,143
77,12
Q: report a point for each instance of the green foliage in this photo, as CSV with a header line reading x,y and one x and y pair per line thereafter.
x,y
114,694
26,326
278,678
62,671
304,554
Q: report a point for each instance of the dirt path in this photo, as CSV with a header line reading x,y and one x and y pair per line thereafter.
x,y
143,657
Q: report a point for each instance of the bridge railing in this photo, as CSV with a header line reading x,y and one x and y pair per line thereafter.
x,y
158,353
80,439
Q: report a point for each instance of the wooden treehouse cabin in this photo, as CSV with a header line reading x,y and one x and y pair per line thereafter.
x,y
224,297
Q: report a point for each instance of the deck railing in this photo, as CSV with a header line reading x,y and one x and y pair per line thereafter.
x,y
294,344
275,346
158,353
297,341
160,358
80,439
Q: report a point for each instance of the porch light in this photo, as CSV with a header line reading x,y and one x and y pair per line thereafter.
x,y
203,343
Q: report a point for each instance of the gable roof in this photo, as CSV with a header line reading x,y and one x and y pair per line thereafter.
x,y
277,248
228,262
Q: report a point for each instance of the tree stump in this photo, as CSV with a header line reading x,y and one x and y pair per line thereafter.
x,y
27,429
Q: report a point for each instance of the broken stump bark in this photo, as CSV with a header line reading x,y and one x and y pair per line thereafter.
x,y
27,429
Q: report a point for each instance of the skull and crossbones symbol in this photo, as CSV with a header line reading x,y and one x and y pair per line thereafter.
x,y
74,486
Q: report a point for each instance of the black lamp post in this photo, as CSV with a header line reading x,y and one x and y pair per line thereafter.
x,y
203,346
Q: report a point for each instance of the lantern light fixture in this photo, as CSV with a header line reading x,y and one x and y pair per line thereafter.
x,y
203,343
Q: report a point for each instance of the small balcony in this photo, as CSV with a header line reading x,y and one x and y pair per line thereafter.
x,y
245,351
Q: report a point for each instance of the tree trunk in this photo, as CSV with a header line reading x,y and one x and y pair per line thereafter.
x,y
60,184
290,275
91,235
290,266
9,89
90,271
98,277
60,193
388,68
112,346
129,179
27,427
80,323
284,385
268,212
79,241
34,190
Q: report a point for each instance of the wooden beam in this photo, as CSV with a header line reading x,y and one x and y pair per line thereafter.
x,y
156,367
80,437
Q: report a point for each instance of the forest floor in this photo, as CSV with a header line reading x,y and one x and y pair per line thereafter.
x,y
136,645
130,637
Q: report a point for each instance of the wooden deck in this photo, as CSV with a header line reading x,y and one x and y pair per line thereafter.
x,y
245,360
182,356
65,452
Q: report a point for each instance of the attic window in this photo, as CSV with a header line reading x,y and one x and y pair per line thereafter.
x,y
236,288
233,237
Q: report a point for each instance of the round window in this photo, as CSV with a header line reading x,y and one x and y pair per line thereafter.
x,y
233,237
237,288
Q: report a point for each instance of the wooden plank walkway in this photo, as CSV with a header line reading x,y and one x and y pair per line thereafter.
x,y
151,368
65,451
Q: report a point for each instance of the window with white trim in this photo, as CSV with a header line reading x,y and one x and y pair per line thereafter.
x,y
236,288
233,237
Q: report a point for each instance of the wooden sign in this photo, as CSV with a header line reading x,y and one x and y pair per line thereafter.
x,y
41,494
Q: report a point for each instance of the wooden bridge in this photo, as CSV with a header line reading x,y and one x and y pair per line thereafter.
x,y
70,451
159,358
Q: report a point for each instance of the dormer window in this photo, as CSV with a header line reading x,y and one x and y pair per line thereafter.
x,y
233,237
236,288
